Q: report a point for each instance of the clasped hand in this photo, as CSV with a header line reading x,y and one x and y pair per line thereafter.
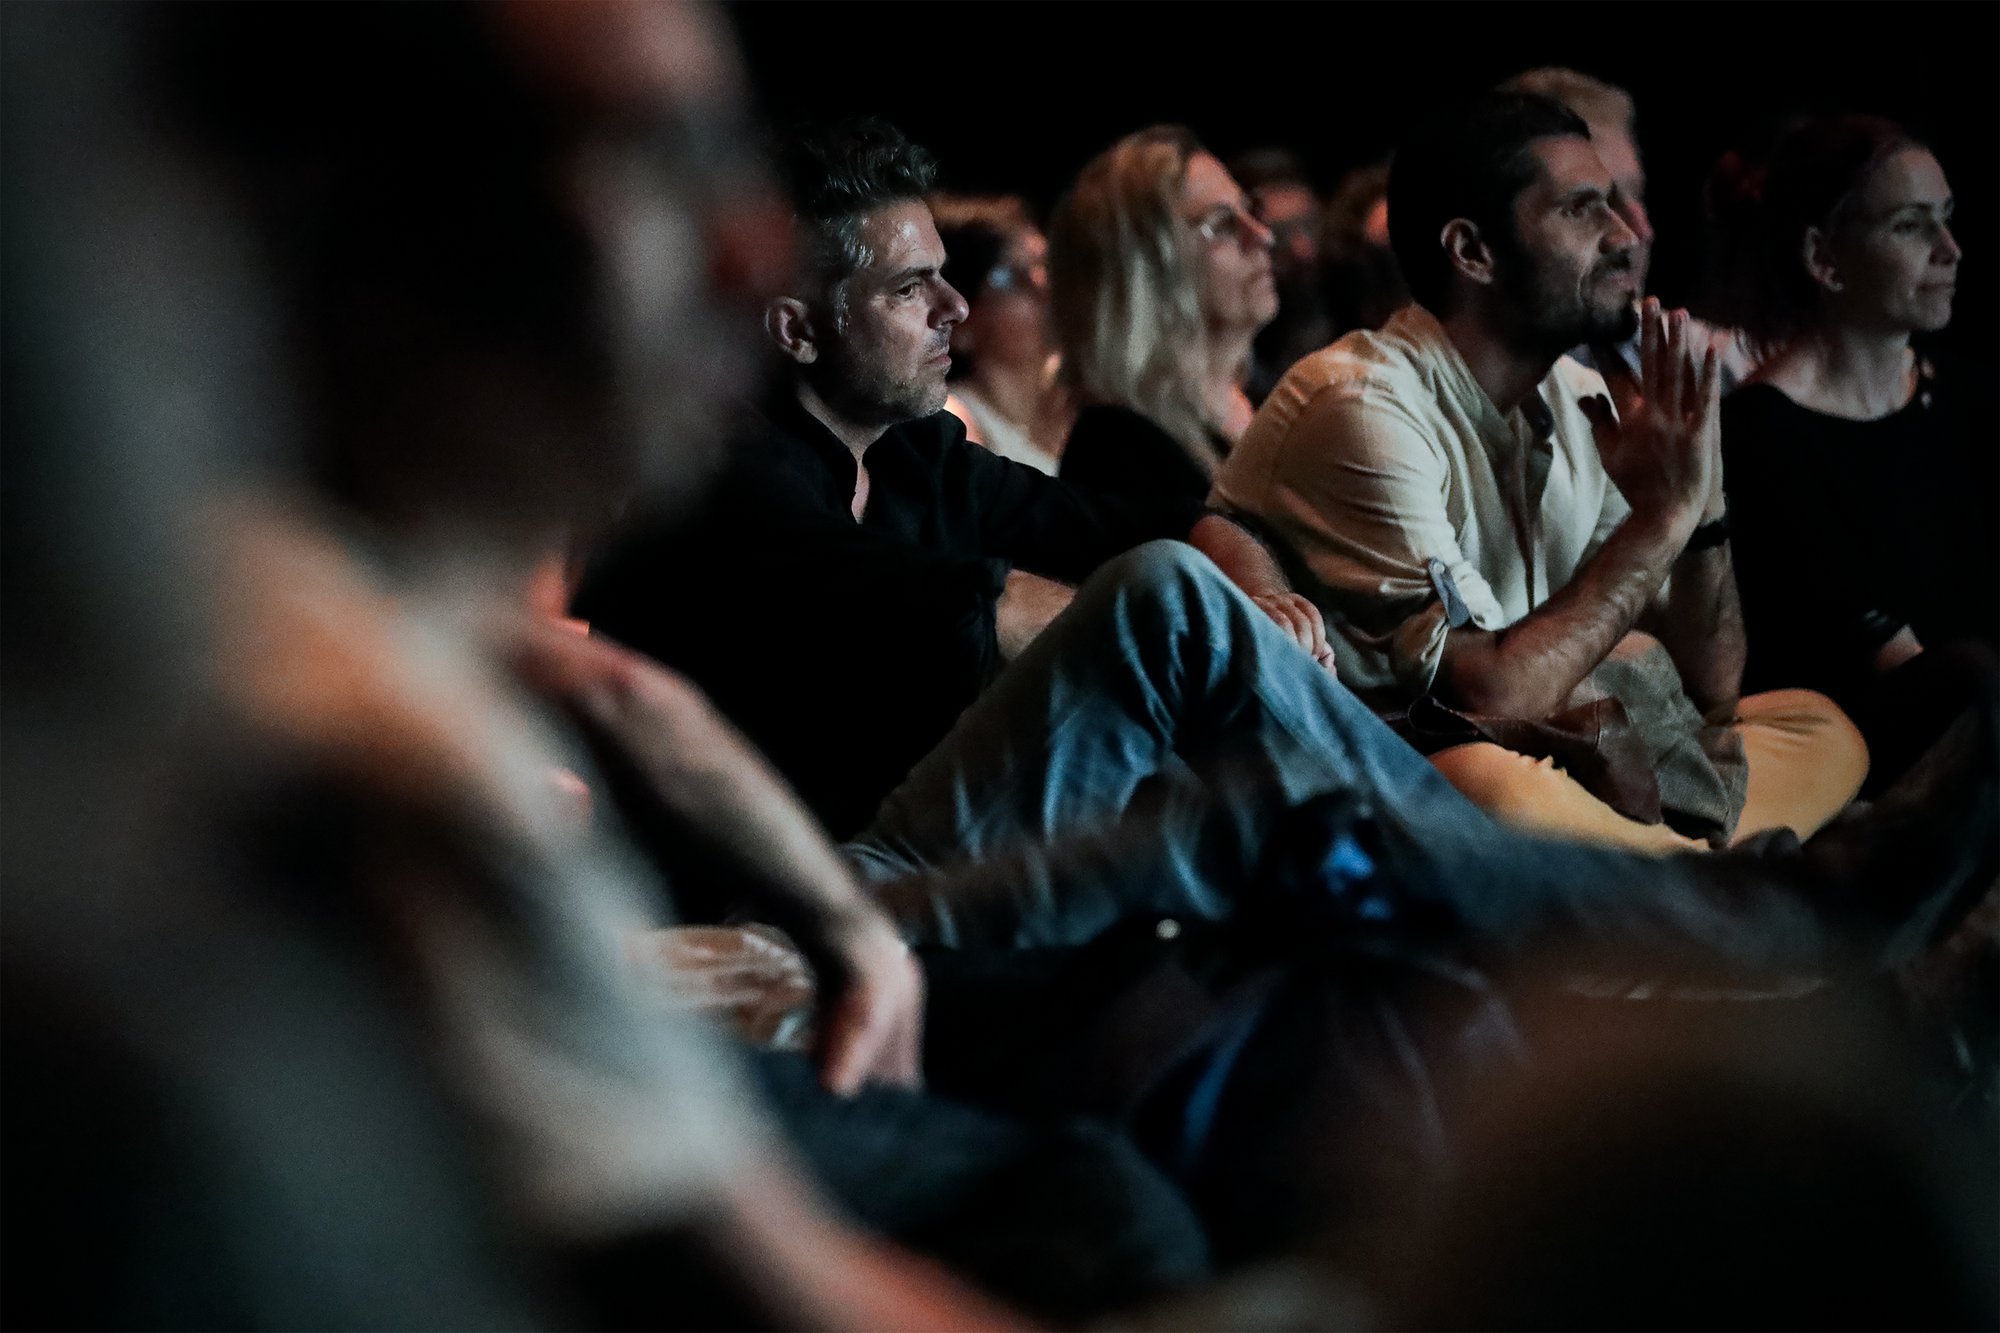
x,y
1665,454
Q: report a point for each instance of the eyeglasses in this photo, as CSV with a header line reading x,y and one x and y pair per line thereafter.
x,y
1019,278
1230,222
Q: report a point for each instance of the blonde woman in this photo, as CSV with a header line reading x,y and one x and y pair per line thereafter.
x,y
1161,277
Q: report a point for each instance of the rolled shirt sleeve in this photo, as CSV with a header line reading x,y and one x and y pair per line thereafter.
x,y
1355,488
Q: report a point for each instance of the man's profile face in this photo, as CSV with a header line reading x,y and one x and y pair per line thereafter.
x,y
884,360
1570,272
1628,189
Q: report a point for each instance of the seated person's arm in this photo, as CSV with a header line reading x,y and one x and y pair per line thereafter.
x,y
1026,606
1699,621
1665,458
699,766
1531,667
1248,563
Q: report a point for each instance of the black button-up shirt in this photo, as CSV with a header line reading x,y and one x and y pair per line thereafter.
x,y
846,650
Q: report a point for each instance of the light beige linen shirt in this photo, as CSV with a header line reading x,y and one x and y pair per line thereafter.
x,y
1406,504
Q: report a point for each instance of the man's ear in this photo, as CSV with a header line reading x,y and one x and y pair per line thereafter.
x,y
789,324
1817,255
1467,251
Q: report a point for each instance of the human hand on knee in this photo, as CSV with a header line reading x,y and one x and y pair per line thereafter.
x,y
1298,617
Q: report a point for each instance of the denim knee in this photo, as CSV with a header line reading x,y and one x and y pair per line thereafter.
x,y
1166,569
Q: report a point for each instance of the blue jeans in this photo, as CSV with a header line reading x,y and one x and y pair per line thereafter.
x,y
1138,755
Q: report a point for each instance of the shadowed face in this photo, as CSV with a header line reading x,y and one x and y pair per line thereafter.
x,y
1233,248
1620,156
1569,274
1009,321
885,349
1894,257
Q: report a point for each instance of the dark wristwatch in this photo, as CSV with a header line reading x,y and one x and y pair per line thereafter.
x,y
1712,533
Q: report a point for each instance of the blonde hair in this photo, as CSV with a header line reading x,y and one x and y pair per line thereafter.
x,y
1125,292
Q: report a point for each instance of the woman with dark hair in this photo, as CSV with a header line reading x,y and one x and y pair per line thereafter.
x,y
1003,353
1162,277
1860,468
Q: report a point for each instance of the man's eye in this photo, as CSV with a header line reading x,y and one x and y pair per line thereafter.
x,y
908,289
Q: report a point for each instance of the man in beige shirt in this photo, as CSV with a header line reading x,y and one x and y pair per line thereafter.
x,y
1490,535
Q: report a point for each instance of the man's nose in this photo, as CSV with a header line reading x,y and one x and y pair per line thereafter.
x,y
1620,237
1947,251
951,307
1632,213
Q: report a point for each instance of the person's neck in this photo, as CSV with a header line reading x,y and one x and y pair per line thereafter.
x,y
857,436
1852,372
1506,372
1222,394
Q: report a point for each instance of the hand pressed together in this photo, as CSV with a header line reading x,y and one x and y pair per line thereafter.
x,y
1665,453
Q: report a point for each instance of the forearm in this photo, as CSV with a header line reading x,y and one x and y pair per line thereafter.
x,y
704,770
1243,560
1530,668
1027,604
1701,626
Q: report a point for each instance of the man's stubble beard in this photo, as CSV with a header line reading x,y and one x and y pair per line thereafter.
x,y
864,396
1551,319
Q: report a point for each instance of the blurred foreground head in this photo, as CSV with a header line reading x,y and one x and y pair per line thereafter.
x,y
451,272
503,236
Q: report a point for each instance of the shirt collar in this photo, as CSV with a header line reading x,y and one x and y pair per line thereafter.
x,y
1453,379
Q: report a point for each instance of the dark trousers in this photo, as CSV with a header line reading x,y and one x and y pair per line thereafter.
x,y
1062,1217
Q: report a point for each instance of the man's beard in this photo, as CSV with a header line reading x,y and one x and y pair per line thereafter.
x,y
865,394
1552,318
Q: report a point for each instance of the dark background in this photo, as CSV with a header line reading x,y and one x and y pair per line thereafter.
x,y
1015,96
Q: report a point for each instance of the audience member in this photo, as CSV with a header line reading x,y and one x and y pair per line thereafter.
x,y
1163,276
1495,542
1860,467
1613,122
1282,197
1003,357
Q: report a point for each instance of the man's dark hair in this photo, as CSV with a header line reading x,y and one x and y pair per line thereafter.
x,y
1469,161
835,174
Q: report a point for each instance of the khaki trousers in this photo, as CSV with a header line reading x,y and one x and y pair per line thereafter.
x,y
1806,762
